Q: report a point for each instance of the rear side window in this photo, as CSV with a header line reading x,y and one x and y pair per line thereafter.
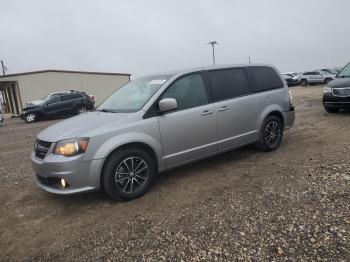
x,y
228,83
264,78
70,97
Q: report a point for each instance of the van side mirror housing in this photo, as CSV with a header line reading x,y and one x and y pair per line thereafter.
x,y
167,104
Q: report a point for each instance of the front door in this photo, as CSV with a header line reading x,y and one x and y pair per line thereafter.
x,y
53,106
189,132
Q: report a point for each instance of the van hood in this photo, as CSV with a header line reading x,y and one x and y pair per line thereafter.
x,y
339,82
83,125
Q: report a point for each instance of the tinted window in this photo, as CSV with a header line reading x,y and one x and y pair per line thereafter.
x,y
188,91
76,96
264,78
70,97
228,83
54,100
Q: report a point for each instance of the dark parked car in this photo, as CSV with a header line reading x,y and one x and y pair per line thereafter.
x,y
336,93
58,105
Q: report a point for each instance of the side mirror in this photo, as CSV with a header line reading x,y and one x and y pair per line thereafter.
x,y
167,104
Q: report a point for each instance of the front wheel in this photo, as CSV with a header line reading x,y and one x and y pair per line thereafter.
x,y
128,174
30,118
303,82
80,110
271,133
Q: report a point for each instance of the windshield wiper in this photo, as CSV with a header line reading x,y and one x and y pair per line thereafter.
x,y
107,110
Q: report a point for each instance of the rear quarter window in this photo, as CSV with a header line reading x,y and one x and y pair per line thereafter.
x,y
264,78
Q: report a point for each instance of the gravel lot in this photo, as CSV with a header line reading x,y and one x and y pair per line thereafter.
x,y
290,204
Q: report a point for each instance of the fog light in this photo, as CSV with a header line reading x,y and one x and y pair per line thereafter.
x,y
63,182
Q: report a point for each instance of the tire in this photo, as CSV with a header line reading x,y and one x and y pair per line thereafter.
x,y
271,134
79,110
30,118
327,80
128,174
303,82
332,109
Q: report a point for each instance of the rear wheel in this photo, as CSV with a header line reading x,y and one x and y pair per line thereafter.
x,y
303,82
332,109
80,110
30,118
271,133
128,174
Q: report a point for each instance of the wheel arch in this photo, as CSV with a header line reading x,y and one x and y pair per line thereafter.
x,y
275,110
139,145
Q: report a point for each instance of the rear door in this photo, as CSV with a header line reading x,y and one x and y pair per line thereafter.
x,y
70,102
189,132
236,107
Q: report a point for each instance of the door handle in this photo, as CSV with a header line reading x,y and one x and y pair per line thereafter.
x,y
224,108
206,112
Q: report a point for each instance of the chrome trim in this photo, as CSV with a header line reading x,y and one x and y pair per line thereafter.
x,y
340,88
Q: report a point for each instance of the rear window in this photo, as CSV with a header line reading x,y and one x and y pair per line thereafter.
x,y
264,78
228,83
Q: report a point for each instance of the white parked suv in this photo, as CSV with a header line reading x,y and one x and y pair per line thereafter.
x,y
315,77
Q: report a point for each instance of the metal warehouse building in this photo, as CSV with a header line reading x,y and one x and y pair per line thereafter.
x,y
17,89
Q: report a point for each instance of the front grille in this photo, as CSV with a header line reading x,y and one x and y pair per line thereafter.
x,y
41,148
341,91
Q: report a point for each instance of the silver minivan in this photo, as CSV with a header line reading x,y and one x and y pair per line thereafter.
x,y
159,122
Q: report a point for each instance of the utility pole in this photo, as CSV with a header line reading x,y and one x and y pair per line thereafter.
x,y
212,43
4,69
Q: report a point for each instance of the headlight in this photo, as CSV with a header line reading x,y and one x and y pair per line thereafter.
x,y
327,90
71,147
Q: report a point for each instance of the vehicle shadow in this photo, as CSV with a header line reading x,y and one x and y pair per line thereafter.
x,y
191,171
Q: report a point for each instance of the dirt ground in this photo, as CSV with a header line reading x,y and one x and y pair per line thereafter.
x,y
290,204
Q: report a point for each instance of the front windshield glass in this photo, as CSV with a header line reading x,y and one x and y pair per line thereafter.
x,y
345,72
133,96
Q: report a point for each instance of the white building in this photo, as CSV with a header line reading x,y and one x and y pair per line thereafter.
x,y
17,89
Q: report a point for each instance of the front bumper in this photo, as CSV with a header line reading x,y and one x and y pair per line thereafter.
x,y
81,176
329,100
289,117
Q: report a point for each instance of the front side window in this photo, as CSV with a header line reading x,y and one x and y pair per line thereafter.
x,y
228,83
189,91
134,95
54,100
345,72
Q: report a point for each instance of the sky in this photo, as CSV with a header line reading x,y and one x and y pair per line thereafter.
x,y
146,37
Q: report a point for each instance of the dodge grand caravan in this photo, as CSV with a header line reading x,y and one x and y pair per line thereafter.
x,y
159,122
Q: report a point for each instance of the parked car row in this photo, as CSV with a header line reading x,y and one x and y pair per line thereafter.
x,y
321,76
55,105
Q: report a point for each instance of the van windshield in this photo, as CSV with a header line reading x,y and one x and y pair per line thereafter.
x,y
345,72
134,95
